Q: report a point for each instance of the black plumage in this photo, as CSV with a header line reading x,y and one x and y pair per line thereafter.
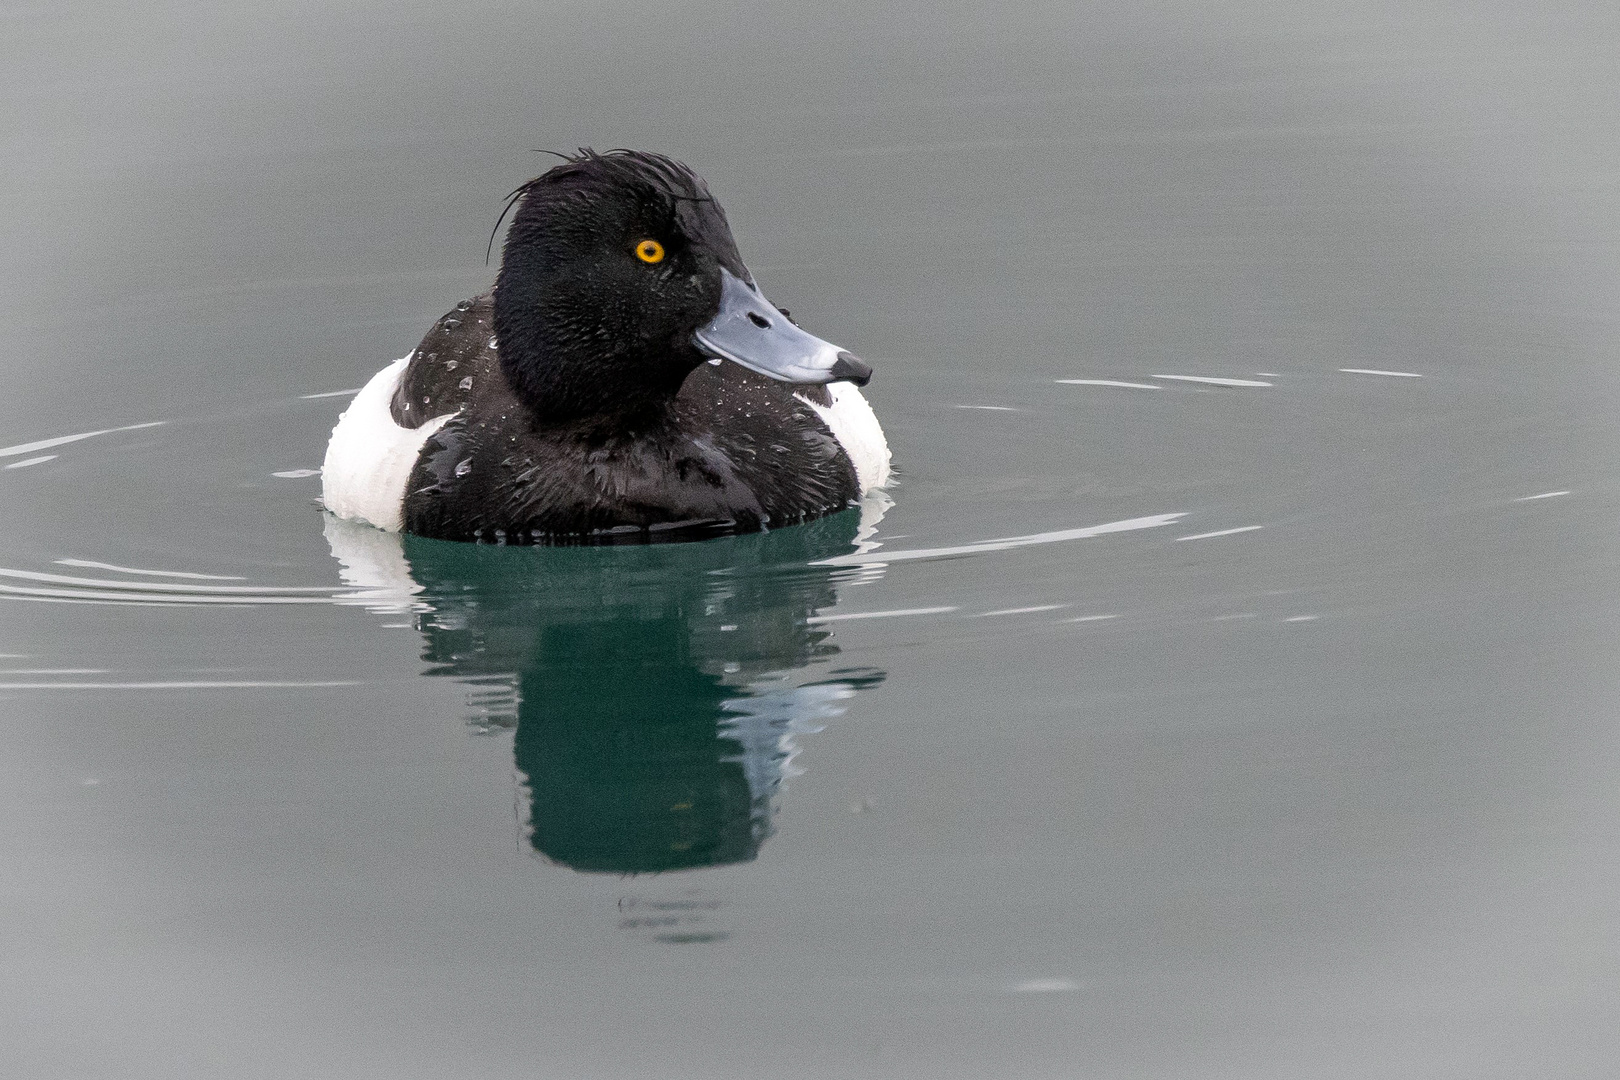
x,y
584,411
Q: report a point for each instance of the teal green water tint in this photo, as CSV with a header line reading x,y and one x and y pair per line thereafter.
x,y
655,690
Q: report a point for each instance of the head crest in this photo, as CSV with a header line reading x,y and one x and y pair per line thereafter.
x,y
665,176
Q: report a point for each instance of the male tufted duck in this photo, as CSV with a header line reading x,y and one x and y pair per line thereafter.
x,y
624,380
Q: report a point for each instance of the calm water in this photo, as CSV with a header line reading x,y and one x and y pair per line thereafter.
x,y
1307,772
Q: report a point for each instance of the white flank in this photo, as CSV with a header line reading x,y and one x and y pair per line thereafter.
x,y
370,458
856,428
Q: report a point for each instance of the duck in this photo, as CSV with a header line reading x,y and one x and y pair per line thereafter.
x,y
624,380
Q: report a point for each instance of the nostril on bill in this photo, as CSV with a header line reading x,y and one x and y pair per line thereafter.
x,y
850,368
759,320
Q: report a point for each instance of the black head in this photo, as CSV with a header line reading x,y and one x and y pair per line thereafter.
x,y
612,262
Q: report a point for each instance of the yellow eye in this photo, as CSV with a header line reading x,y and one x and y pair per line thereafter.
x,y
650,251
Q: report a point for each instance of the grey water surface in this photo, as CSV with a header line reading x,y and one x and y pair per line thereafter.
x,y
1307,770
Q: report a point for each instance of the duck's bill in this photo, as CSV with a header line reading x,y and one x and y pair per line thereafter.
x,y
751,332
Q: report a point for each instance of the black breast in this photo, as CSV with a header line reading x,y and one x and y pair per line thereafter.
x,y
735,452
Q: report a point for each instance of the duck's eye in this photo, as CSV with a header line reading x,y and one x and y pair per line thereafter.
x,y
650,251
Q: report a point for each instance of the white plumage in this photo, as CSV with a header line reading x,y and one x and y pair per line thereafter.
x,y
370,458
856,428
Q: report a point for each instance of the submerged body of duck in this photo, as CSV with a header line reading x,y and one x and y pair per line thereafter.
x,y
603,389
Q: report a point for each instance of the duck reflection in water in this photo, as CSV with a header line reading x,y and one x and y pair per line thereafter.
x,y
656,690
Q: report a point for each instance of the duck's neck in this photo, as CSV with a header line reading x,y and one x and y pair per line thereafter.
x,y
569,374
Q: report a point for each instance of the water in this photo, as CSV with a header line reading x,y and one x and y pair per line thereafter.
x,y
1307,773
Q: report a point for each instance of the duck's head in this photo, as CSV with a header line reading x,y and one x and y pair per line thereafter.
x,y
619,276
